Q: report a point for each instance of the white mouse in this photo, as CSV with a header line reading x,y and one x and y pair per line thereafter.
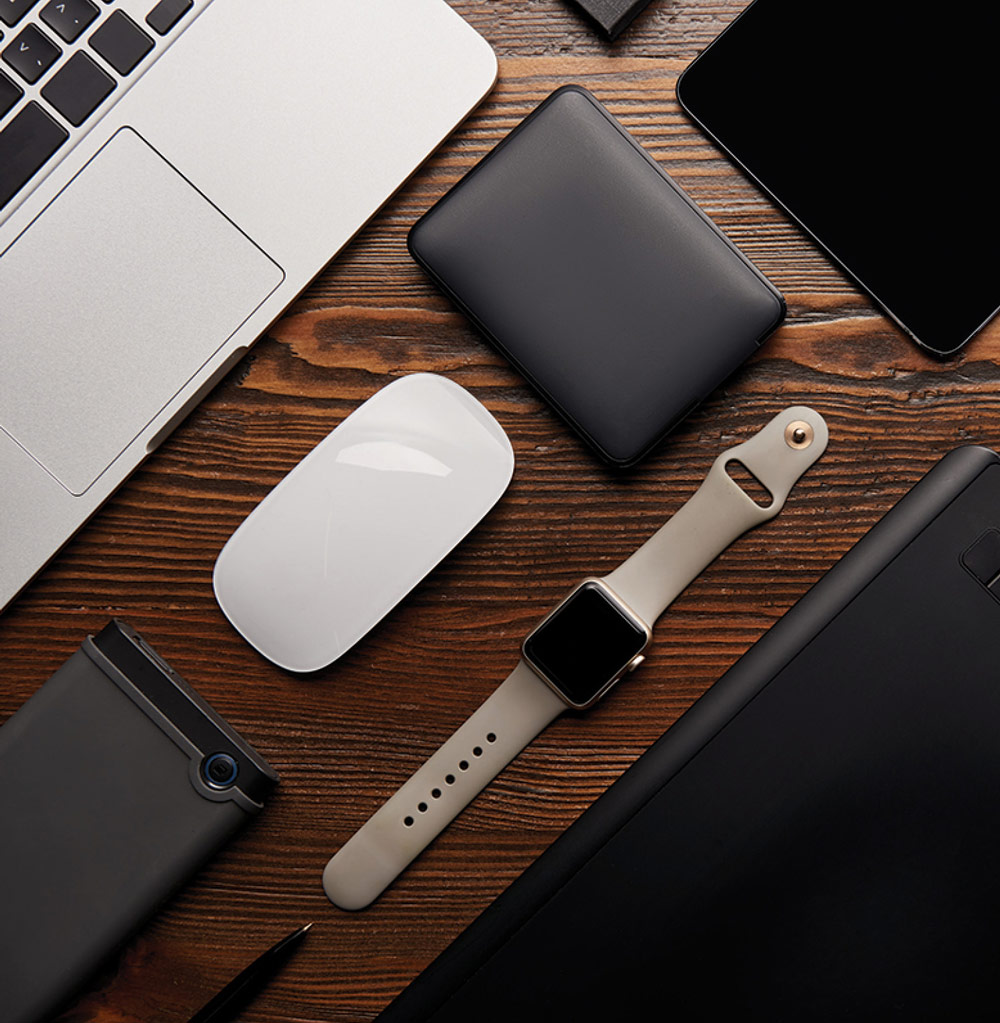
x,y
361,520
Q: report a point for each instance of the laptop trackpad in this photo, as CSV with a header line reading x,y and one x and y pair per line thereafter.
x,y
122,288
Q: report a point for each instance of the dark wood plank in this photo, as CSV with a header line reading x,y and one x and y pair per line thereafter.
x,y
346,738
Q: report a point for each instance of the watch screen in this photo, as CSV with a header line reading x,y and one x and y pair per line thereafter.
x,y
585,644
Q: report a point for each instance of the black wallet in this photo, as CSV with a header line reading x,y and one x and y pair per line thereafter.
x,y
586,266
116,781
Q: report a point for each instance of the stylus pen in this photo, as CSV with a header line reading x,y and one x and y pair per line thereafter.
x,y
245,985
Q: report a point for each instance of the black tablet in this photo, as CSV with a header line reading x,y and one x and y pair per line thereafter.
x,y
814,840
870,122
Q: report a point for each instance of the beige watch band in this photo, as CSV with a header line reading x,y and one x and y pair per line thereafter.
x,y
404,825
719,512
524,705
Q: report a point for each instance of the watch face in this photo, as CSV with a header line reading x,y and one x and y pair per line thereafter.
x,y
585,644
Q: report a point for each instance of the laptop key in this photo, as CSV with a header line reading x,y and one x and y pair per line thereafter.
x,y
121,42
78,88
12,11
10,93
162,18
25,144
68,18
31,53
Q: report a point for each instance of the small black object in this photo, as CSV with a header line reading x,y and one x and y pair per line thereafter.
x,y
105,811
815,839
78,88
613,16
121,42
583,644
982,559
9,93
220,770
25,144
31,53
606,286
68,18
248,983
162,18
12,11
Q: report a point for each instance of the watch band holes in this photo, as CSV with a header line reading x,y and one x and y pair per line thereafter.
x,y
449,779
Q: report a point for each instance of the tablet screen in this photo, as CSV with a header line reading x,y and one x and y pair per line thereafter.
x,y
871,123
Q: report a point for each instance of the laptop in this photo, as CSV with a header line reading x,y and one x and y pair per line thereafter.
x,y
172,175
815,839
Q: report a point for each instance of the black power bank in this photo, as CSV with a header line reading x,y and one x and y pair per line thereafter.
x,y
116,782
815,839
585,265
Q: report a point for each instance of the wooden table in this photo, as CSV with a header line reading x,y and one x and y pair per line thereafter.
x,y
345,739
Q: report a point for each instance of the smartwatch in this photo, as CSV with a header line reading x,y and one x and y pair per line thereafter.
x,y
576,654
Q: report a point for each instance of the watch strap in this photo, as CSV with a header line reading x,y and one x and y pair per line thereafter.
x,y
524,705
407,822
719,512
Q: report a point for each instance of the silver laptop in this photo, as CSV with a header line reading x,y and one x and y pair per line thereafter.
x,y
172,175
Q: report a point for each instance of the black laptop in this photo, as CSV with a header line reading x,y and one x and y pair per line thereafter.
x,y
816,839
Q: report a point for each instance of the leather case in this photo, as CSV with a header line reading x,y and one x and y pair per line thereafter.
x,y
596,275
105,810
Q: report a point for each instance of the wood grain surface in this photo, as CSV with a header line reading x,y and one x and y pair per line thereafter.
x,y
345,738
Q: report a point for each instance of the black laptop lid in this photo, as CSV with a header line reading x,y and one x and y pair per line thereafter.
x,y
816,839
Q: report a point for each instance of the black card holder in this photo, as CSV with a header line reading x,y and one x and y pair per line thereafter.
x,y
596,276
109,801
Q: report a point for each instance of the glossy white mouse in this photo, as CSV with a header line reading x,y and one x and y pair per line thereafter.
x,y
361,520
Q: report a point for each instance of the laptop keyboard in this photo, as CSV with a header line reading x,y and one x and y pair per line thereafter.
x,y
60,61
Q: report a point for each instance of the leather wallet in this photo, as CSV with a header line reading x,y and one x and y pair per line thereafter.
x,y
590,269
